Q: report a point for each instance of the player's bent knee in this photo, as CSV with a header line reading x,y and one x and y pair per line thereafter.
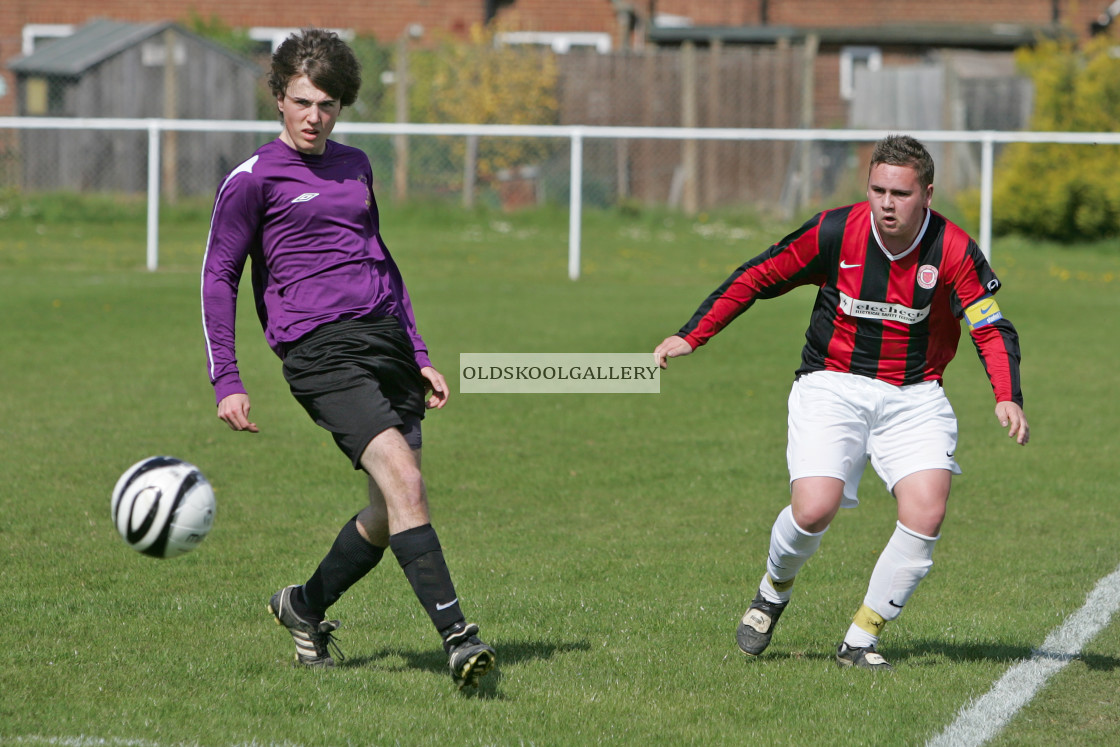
x,y
815,502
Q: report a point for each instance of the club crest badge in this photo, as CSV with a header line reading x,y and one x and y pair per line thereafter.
x,y
927,276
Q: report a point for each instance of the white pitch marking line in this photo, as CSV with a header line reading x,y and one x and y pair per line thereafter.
x,y
982,719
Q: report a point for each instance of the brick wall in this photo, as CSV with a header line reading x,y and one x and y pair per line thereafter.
x,y
387,19
549,15
384,20
1075,13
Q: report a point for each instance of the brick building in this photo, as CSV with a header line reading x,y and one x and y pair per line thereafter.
x,y
744,63
606,25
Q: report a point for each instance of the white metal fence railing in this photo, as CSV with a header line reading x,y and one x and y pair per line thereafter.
x,y
576,135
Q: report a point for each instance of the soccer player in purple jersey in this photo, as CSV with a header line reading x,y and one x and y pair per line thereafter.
x,y
335,310
895,279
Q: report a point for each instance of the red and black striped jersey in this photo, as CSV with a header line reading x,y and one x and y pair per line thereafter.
x,y
894,319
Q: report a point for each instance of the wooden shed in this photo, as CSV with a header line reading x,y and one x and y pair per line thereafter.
x,y
123,70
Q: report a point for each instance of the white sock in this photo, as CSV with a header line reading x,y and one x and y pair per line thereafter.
x,y
859,633
790,547
905,561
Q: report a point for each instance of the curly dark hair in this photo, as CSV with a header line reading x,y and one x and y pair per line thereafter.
x,y
903,150
324,58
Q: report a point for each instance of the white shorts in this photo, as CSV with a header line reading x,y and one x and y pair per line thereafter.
x,y
837,421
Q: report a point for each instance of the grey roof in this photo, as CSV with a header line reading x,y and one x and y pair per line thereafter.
x,y
978,36
96,42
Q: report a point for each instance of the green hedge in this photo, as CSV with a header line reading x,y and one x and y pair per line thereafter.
x,y
1068,193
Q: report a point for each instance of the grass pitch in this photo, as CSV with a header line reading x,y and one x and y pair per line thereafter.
x,y
606,544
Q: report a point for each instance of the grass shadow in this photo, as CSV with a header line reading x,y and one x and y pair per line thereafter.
x,y
929,652
434,660
1098,663
1000,652
960,652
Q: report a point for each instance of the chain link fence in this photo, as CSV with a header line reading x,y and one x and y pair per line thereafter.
x,y
446,157
99,156
171,74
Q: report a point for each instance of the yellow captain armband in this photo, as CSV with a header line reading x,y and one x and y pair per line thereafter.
x,y
983,312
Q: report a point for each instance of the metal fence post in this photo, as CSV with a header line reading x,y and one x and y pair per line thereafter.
x,y
987,144
575,204
153,193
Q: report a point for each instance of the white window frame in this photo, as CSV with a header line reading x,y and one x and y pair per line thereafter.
x,y
850,59
561,42
670,21
34,32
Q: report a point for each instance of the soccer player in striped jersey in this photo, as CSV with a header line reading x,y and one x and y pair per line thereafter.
x,y
335,310
894,281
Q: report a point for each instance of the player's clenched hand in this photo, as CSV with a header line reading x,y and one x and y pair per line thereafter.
x,y
1012,418
438,386
234,410
670,347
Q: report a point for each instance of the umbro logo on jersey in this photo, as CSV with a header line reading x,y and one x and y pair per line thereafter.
x,y
306,197
845,266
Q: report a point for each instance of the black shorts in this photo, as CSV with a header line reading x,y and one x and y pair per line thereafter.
x,y
357,378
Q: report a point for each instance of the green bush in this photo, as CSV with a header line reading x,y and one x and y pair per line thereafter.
x,y
478,81
1068,193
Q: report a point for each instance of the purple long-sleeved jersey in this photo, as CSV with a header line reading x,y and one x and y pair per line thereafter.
x,y
310,224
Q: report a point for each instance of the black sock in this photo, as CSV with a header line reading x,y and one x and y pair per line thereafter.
x,y
350,558
421,557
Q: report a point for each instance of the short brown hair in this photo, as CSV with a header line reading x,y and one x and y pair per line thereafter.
x,y
326,60
903,150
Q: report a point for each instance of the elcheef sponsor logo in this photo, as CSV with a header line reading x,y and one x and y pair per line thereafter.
x,y
558,373
895,312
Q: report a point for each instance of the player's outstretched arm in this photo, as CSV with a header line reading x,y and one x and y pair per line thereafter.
x,y
670,347
1011,417
234,411
438,386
